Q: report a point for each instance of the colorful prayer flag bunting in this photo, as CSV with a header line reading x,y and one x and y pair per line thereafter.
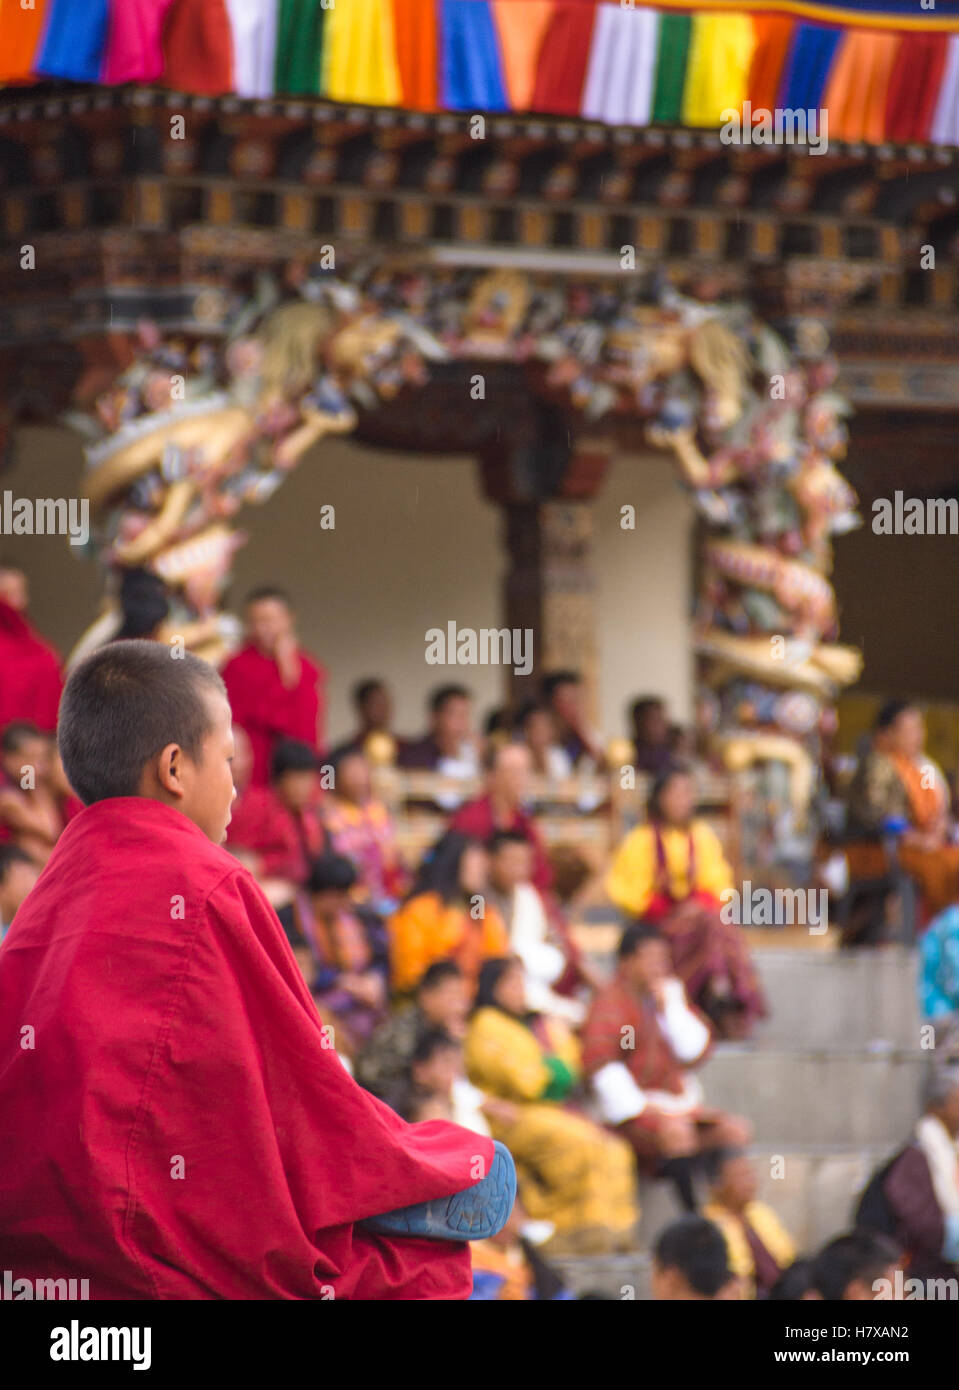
x,y
881,70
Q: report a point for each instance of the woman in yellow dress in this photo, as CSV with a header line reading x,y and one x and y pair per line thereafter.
x,y
672,872
571,1172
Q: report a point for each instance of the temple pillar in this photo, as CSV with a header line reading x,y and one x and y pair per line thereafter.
x,y
549,586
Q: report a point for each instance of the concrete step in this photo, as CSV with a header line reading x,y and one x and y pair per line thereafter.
x,y
848,999
849,1097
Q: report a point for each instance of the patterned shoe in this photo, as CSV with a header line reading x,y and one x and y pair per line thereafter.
x,y
476,1213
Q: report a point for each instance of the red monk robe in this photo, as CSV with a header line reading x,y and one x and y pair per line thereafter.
x,y
30,683
478,820
285,843
268,710
172,1124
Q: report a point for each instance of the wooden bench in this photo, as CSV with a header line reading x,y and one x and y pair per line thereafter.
x,y
590,813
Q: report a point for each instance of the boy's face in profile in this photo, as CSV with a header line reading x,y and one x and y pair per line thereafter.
x,y
208,783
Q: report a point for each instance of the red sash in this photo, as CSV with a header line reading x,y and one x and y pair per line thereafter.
x,y
662,889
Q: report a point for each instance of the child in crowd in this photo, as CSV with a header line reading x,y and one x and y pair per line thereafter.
x,y
276,830
349,954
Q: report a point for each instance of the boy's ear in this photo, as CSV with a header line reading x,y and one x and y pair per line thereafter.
x,y
169,769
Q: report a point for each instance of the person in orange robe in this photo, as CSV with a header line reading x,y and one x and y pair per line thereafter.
x,y
446,916
899,790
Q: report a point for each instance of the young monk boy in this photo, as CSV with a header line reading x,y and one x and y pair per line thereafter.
x,y
174,1121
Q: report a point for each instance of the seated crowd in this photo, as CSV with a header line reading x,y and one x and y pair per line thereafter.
x,y
896,826
453,986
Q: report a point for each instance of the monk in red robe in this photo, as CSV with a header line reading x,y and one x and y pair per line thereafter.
x,y
30,683
176,1123
277,829
275,688
508,771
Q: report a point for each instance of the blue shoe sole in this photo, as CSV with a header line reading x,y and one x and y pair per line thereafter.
x,y
473,1214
